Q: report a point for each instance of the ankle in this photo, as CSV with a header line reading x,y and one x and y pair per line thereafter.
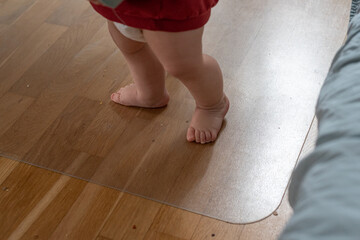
x,y
218,104
153,97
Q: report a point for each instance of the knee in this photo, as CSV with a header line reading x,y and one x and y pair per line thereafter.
x,y
182,70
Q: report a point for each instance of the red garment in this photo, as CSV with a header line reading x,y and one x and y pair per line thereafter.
x,y
160,15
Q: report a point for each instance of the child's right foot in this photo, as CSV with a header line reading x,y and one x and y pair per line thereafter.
x,y
129,96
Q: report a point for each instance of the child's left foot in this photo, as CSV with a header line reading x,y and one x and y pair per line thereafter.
x,y
206,123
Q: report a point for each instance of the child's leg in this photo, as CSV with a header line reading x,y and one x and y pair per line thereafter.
x,y
147,72
181,55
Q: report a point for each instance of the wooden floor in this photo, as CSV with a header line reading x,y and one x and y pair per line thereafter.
x,y
40,204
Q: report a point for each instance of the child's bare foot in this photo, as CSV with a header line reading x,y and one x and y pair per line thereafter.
x,y
129,96
206,123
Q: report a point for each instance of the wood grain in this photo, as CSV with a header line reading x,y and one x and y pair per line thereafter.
x,y
209,228
173,222
134,218
53,95
6,166
25,186
11,10
58,67
85,218
12,37
39,208
68,13
69,204
11,108
68,51
56,142
131,218
44,224
27,53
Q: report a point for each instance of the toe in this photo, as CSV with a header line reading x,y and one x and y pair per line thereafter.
x,y
190,134
208,136
202,137
115,97
213,135
197,136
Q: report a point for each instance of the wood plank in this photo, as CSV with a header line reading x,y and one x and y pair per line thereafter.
x,y
61,89
132,210
209,228
112,77
87,166
12,37
68,13
131,218
100,137
11,107
173,223
10,10
103,132
102,238
154,235
150,130
26,185
203,175
103,38
86,216
39,208
6,167
44,224
51,209
71,50
54,148
27,53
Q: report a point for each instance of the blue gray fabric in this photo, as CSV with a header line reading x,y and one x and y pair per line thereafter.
x,y
325,187
354,8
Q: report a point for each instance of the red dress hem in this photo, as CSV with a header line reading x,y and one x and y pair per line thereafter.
x,y
155,23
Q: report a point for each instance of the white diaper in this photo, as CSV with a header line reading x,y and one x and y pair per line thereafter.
x,y
135,34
